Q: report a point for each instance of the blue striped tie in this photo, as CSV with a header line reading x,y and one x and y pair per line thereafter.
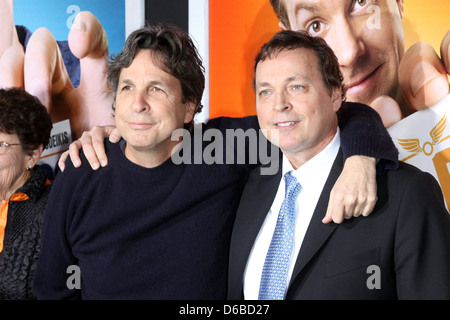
x,y
275,271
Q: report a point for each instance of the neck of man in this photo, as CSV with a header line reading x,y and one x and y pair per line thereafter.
x,y
305,153
149,158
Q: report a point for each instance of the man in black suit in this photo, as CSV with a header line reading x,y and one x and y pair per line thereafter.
x,y
280,247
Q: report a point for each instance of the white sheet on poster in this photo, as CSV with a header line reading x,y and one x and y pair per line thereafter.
x,y
60,139
423,140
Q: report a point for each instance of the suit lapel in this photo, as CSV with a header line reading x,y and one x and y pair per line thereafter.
x,y
317,232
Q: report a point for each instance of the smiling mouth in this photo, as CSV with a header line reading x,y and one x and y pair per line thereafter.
x,y
286,124
139,125
365,84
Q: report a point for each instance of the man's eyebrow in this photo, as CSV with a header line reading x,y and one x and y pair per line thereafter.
x,y
287,80
262,84
312,7
127,81
292,78
150,82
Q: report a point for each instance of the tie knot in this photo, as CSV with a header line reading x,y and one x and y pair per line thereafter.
x,y
292,185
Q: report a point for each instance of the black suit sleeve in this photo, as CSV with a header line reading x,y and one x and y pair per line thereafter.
x,y
363,133
422,242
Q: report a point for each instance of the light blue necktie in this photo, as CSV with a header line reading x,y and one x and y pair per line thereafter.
x,y
275,271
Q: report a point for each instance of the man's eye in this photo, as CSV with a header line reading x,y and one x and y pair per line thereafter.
x,y
126,88
298,89
156,89
264,93
157,92
314,28
362,3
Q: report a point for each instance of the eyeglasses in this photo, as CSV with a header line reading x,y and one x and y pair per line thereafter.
x,y
4,146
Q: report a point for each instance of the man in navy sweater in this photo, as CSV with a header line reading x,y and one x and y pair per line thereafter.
x,y
149,226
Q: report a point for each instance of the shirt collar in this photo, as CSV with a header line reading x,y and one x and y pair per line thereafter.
x,y
318,167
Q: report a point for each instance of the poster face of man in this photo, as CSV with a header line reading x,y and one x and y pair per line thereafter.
x,y
366,36
238,29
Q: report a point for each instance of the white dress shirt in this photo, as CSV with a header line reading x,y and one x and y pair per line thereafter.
x,y
312,176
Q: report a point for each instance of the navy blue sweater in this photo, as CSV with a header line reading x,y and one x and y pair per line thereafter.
x,y
159,233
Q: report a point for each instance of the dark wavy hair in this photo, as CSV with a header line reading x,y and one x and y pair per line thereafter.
x,y
291,40
24,115
173,50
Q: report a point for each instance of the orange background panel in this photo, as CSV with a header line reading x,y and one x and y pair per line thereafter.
x,y
426,21
238,29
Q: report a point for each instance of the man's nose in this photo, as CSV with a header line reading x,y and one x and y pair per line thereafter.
x,y
140,103
282,102
346,41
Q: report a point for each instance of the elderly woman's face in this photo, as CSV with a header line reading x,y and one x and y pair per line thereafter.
x,y
13,162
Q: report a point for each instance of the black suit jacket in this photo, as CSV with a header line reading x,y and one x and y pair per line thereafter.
x,y
403,246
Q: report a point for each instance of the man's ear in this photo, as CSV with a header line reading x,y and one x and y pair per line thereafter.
x,y
190,112
336,97
282,26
